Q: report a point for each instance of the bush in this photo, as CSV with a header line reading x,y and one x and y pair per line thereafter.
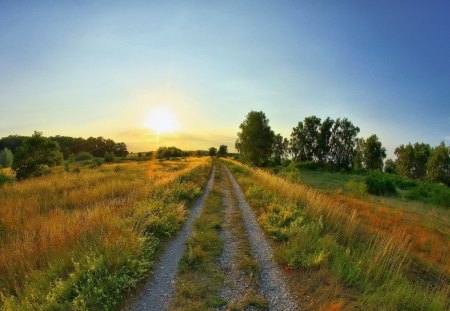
x,y
35,156
379,184
4,179
6,158
109,157
83,156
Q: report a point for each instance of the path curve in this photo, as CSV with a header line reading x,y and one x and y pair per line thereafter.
x,y
159,290
273,283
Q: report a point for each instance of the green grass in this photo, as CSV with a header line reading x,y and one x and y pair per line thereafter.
x,y
199,280
311,241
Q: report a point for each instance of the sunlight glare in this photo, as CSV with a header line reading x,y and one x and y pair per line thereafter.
x,y
161,120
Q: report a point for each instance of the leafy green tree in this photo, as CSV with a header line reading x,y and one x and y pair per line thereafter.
x,y
255,138
36,155
6,158
390,167
311,126
279,148
223,151
323,145
439,164
12,142
212,151
358,154
374,153
298,143
412,160
342,143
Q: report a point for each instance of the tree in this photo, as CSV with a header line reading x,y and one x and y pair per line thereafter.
x,y
298,142
342,143
373,153
6,158
412,160
255,138
390,167
439,164
358,154
311,127
223,151
279,148
323,145
212,151
35,156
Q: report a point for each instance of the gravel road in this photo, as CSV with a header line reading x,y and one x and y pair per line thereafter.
x,y
273,283
159,290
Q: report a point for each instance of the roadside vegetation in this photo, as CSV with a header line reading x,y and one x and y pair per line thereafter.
x,y
369,265
199,280
82,239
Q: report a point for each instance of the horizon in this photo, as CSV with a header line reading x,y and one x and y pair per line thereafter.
x,y
102,69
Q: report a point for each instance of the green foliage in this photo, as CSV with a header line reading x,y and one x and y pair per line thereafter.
x,y
255,139
35,156
373,153
439,165
390,167
109,157
169,152
212,151
279,148
358,189
438,194
412,160
379,184
83,156
4,179
223,151
94,163
6,158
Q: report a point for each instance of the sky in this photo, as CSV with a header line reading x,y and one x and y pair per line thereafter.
x,y
102,68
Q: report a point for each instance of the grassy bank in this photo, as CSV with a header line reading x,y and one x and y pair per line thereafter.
x,y
81,240
313,232
199,280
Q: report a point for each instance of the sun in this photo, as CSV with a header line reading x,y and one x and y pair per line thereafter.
x,y
161,120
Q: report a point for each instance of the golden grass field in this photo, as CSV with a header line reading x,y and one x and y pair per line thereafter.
x,y
57,230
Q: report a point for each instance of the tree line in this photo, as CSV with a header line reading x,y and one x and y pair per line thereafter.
x,y
33,156
335,144
97,146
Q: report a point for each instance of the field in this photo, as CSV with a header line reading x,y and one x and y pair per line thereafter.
x,y
89,238
82,240
344,252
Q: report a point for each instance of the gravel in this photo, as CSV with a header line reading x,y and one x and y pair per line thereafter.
x,y
159,290
273,283
236,284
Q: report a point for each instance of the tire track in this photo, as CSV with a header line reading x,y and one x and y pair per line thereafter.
x,y
273,283
159,290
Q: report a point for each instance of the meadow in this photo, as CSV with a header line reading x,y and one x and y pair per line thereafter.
x,y
344,252
83,239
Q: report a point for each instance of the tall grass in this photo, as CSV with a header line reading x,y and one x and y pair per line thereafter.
x,y
81,240
313,231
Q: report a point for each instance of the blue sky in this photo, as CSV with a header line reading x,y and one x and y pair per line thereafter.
x,y
91,69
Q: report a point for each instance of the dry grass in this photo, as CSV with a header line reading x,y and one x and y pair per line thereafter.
x,y
45,223
364,247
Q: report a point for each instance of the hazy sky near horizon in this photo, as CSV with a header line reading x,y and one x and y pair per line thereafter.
x,y
99,68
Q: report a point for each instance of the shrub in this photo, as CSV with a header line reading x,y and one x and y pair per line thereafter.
x,y
109,157
35,156
83,156
379,184
96,163
4,179
6,158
